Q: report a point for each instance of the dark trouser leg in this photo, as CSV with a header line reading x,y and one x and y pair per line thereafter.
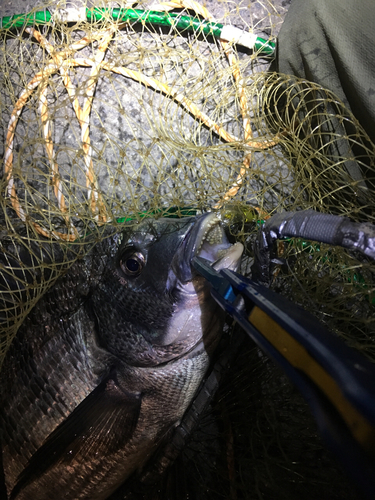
x,y
332,42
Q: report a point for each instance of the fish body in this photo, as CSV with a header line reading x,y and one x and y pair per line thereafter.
x,y
109,359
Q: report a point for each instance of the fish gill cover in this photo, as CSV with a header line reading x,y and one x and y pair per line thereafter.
x,y
108,120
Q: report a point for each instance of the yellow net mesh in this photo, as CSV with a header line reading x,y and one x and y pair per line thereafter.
x,y
109,121
106,120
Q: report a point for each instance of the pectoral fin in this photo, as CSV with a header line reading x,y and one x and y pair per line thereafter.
x,y
101,424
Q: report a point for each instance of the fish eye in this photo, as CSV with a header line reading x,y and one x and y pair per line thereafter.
x,y
132,263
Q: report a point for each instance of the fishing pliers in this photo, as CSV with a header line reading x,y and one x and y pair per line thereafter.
x,y
337,381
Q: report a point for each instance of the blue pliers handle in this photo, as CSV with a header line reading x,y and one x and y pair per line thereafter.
x,y
336,380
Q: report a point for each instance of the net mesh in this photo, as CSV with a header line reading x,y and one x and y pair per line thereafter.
x,y
106,122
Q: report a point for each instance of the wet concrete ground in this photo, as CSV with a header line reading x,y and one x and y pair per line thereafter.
x,y
258,18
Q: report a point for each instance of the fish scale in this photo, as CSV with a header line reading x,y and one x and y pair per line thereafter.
x,y
109,359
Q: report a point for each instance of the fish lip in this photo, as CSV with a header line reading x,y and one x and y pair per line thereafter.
x,y
221,254
230,259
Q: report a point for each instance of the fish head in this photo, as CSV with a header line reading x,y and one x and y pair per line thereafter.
x,y
132,328
150,305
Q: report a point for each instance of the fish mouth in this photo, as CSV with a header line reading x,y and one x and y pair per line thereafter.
x,y
207,239
212,244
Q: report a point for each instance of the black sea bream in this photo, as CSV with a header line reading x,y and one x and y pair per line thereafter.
x,y
109,359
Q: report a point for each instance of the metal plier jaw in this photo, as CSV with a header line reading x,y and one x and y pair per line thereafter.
x,y
337,381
